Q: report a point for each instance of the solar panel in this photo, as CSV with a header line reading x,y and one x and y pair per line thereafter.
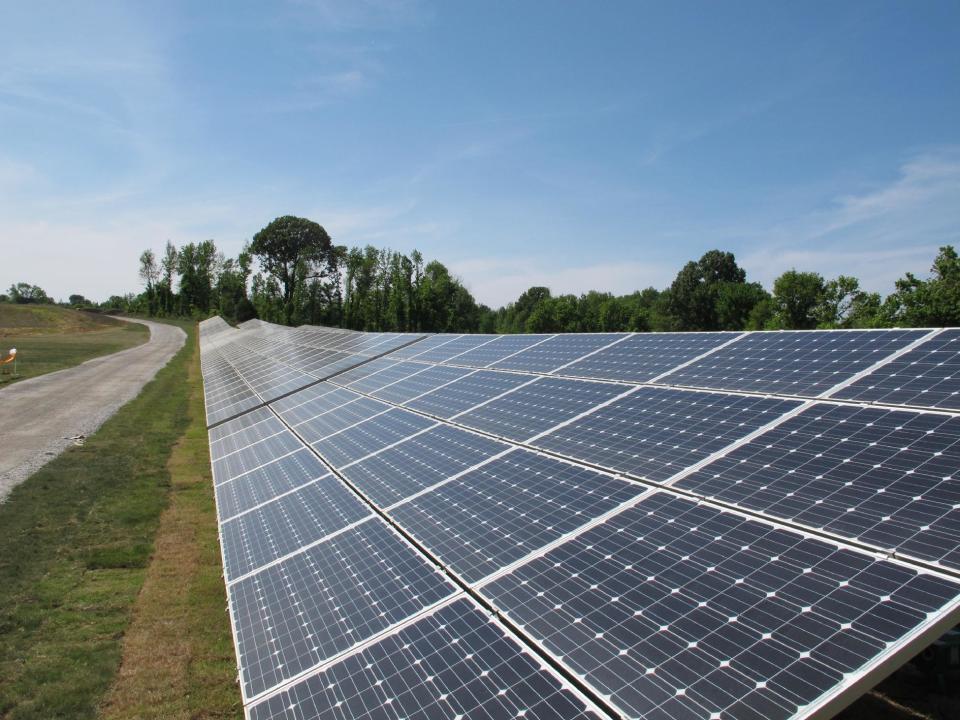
x,y
539,406
240,493
642,357
656,432
455,663
444,351
340,418
497,350
371,435
465,393
799,362
557,352
287,524
420,383
254,455
501,511
928,376
393,474
789,555
677,610
886,478
297,614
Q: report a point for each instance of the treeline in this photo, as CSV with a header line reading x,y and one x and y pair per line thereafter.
x,y
292,273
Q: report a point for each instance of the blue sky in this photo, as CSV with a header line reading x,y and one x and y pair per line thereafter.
x,y
577,145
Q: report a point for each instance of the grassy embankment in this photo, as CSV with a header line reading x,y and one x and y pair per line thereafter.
x,y
111,601
49,338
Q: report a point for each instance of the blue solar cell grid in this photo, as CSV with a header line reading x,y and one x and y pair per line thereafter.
x,y
656,432
454,663
927,376
805,363
885,478
679,610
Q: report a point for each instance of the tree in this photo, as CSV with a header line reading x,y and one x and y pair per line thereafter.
x,y
25,293
149,273
836,301
693,299
197,266
796,296
928,303
79,300
168,264
289,249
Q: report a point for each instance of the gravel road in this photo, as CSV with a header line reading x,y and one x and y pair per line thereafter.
x,y
39,416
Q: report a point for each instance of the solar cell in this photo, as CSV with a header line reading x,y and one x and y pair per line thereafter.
x,y
419,462
294,615
673,609
453,663
501,511
369,436
792,362
539,406
429,343
644,356
362,371
465,393
248,435
287,524
656,432
556,352
927,376
311,402
885,478
282,475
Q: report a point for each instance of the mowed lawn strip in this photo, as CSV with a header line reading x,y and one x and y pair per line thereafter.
x,y
49,338
178,657
75,542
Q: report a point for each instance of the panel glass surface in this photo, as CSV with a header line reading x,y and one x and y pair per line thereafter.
x,y
467,392
244,421
454,663
501,511
887,478
679,610
539,406
927,376
443,352
798,362
556,352
303,611
495,351
351,413
287,524
255,455
644,356
420,383
654,433
267,482
374,434
424,460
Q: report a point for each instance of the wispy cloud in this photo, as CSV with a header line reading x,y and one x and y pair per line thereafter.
x,y
364,14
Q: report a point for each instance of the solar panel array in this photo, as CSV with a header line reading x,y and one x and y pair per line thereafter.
x,y
663,525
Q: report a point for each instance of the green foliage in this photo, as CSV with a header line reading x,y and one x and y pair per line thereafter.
x,y
291,249
25,293
796,297
928,303
707,294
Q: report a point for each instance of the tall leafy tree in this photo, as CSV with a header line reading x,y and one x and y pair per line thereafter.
x,y
695,291
796,297
289,249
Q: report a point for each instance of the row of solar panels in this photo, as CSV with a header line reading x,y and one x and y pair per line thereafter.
x,y
662,605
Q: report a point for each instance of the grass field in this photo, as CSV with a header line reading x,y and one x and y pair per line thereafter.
x,y
82,555
50,338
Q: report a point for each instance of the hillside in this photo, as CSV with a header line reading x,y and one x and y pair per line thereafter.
x,y
26,320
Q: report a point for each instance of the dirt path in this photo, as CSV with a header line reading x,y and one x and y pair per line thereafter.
x,y
39,416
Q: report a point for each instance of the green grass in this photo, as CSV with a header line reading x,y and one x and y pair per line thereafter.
x,y
50,338
75,545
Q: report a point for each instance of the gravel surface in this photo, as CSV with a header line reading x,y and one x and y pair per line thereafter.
x,y
42,416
